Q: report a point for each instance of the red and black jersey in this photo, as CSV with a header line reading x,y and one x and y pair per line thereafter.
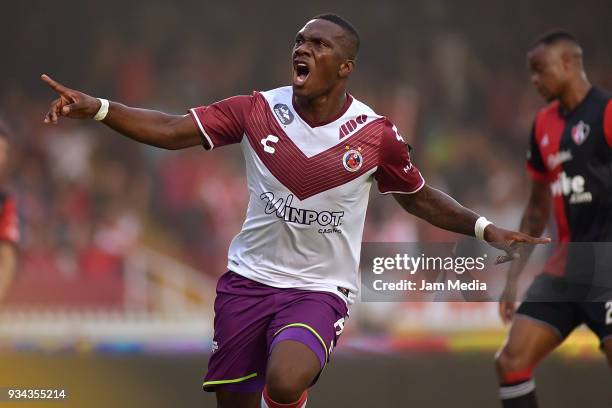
x,y
9,230
573,152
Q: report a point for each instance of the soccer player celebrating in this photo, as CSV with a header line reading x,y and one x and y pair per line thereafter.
x,y
9,232
570,164
311,152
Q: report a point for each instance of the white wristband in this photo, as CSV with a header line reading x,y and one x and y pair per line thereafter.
x,y
479,227
103,111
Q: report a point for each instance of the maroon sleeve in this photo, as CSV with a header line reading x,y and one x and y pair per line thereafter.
x,y
9,230
222,123
395,172
608,123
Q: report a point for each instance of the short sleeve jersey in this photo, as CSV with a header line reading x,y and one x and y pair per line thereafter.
x,y
572,152
308,186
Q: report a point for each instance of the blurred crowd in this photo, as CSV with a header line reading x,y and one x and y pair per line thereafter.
x,y
458,91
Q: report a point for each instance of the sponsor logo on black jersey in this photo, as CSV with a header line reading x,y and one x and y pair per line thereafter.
x,y
559,158
572,187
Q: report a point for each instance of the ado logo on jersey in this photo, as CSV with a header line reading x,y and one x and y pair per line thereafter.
x,y
351,125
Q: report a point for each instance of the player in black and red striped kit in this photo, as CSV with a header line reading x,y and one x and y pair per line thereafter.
x,y
570,164
9,233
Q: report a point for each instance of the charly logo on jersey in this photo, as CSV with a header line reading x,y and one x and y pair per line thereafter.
x,y
351,125
329,220
544,141
571,186
580,132
267,143
352,159
283,113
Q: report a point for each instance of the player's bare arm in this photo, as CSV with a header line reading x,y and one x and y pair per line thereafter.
x,y
533,222
146,126
8,264
443,211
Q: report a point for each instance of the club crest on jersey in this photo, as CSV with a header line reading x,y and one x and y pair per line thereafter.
x,y
283,113
352,160
580,132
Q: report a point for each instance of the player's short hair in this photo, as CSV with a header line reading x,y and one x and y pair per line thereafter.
x,y
349,29
554,37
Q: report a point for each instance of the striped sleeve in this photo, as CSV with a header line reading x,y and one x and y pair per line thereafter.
x,y
395,172
222,123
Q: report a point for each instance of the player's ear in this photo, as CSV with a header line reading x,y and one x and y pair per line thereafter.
x,y
566,61
346,68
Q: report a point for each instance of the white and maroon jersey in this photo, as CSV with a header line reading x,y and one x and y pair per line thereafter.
x,y
308,185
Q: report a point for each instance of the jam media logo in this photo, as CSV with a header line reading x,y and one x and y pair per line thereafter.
x,y
283,209
349,126
352,160
580,132
283,113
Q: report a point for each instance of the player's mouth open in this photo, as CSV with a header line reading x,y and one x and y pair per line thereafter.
x,y
301,73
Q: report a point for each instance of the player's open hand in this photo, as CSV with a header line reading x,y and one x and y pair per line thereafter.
x,y
71,103
509,241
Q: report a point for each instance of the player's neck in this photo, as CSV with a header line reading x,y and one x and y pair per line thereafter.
x,y
575,94
321,109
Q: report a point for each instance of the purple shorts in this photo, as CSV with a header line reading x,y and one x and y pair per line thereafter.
x,y
250,318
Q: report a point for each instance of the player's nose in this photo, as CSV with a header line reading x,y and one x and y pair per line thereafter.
x,y
302,50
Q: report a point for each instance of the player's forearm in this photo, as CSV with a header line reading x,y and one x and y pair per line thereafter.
x,y
150,127
533,222
145,126
439,209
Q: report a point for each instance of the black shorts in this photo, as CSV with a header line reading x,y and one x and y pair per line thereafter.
x,y
562,313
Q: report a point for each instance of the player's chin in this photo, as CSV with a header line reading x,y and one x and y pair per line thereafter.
x,y
547,95
304,85
303,90
300,91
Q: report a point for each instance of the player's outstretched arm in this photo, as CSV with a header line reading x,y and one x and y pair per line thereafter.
x,y
441,210
146,126
533,222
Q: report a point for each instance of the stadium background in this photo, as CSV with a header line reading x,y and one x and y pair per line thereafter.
x,y
122,243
